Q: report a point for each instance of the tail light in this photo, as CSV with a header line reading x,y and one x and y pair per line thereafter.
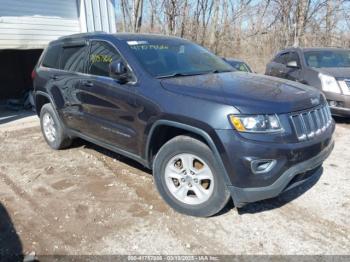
x,y
33,74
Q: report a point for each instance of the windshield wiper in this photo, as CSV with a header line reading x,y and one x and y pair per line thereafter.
x,y
180,74
195,73
221,71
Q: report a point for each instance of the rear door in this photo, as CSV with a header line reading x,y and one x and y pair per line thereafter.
x,y
59,74
72,68
108,107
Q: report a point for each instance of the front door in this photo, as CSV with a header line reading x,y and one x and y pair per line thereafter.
x,y
108,107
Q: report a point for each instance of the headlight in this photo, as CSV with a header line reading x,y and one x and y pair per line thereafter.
x,y
256,123
329,84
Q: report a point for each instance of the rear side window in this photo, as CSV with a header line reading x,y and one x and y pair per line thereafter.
x,y
73,59
102,55
51,58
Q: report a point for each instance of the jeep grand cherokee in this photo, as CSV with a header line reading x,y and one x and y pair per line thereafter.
x,y
207,131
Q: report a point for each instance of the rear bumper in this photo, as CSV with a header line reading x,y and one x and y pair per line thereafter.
x,y
242,196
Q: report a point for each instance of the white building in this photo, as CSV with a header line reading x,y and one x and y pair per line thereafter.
x,y
26,27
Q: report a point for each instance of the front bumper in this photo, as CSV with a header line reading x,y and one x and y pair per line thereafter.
x,y
344,100
340,111
291,160
285,182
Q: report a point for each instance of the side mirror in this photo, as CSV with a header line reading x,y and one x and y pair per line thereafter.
x,y
292,64
119,71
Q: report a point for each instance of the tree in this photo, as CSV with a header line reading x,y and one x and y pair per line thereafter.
x,y
300,20
137,15
249,29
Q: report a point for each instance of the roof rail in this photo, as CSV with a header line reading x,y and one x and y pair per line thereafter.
x,y
81,35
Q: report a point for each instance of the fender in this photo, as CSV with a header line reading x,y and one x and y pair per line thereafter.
x,y
52,101
195,130
47,96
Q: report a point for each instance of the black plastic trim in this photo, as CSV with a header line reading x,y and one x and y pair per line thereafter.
x,y
195,130
110,147
44,94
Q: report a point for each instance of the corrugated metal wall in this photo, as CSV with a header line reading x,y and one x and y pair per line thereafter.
x,y
30,24
33,23
97,15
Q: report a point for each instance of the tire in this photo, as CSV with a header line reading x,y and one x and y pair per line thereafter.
x,y
200,189
49,119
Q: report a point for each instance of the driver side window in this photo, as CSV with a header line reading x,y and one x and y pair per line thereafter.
x,y
102,54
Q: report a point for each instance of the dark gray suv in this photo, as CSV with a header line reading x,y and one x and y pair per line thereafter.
x,y
207,131
327,69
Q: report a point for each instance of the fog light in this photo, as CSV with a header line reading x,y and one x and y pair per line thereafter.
x,y
261,166
333,103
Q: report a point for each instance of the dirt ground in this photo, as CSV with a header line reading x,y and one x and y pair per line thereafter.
x,y
87,200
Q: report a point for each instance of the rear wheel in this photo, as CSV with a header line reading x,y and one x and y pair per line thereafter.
x,y
188,177
53,129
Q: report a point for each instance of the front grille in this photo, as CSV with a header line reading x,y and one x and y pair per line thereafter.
x,y
311,123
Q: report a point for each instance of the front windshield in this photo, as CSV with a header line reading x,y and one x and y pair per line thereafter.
x,y
166,58
336,58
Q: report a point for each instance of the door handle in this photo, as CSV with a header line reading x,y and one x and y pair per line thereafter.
x,y
88,83
54,77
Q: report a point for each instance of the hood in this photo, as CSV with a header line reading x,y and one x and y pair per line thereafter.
x,y
337,72
249,93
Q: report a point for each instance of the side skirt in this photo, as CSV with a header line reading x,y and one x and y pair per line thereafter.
x,y
115,149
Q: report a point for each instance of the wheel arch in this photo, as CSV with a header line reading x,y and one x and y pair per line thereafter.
x,y
42,98
184,129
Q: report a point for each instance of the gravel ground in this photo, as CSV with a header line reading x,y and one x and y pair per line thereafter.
x,y
87,200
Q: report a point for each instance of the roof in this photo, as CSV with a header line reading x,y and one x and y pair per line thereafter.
x,y
140,37
307,49
323,49
82,35
120,36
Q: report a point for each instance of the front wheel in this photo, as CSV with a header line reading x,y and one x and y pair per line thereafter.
x,y
188,177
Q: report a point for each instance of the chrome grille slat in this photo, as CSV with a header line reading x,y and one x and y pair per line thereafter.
x,y
311,130
323,120
314,120
329,115
319,124
324,111
311,123
303,125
